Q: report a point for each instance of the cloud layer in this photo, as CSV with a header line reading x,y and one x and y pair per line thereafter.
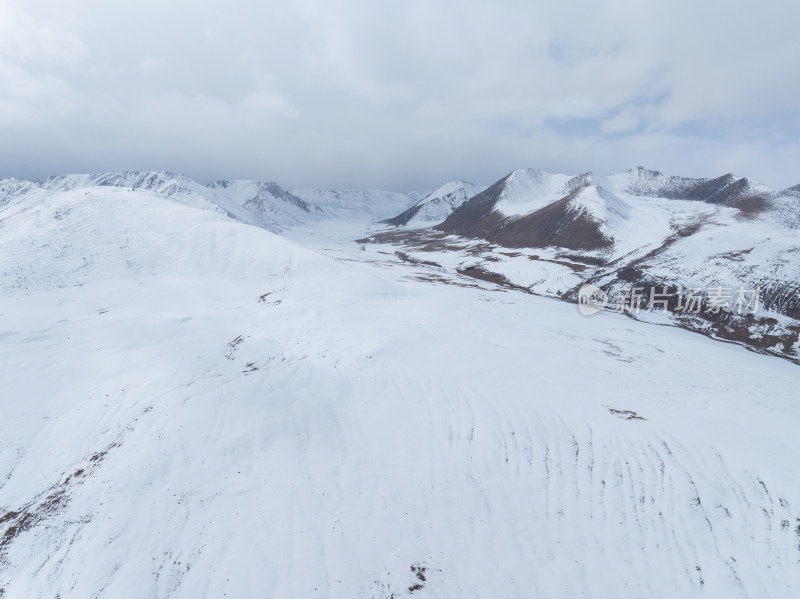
x,y
349,93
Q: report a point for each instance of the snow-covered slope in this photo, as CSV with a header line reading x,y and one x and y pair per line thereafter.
x,y
197,408
743,234
361,204
88,234
725,190
274,207
193,407
162,183
10,188
527,190
437,205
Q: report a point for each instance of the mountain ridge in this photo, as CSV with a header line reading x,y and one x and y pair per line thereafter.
x,y
265,204
438,204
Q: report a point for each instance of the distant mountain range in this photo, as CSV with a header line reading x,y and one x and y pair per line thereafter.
x,y
261,203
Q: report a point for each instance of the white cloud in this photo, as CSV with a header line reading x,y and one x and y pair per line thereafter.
x,y
624,121
350,92
35,57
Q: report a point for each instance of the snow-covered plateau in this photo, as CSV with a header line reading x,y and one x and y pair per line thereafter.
x,y
195,405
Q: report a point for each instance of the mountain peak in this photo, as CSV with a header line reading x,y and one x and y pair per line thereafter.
x,y
452,187
642,171
437,205
599,203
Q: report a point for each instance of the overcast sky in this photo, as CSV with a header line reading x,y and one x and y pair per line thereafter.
x,y
399,95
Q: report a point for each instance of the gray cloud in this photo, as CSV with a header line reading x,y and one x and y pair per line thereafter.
x,y
349,93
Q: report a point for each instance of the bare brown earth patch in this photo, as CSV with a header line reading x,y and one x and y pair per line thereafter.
x,y
419,573
230,349
476,272
404,217
45,505
626,414
736,256
406,258
417,238
575,267
588,260
436,278
751,206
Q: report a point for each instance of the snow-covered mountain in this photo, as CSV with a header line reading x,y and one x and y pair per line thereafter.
x,y
437,205
639,228
356,203
274,207
531,208
196,407
260,203
727,190
10,188
526,190
162,183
